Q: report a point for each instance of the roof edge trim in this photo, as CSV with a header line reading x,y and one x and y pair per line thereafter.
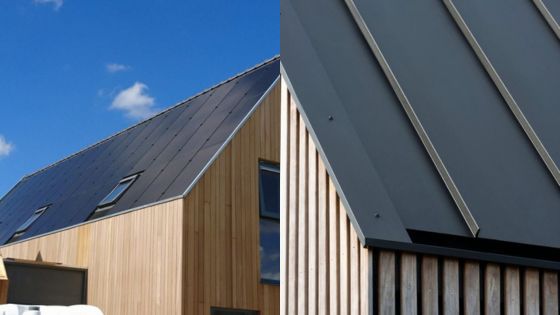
x,y
377,244
231,136
168,200
266,62
353,220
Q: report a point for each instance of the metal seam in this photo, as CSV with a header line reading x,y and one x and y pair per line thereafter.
x,y
512,104
428,145
550,20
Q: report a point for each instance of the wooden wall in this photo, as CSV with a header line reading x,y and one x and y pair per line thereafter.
x,y
133,260
221,234
419,284
185,256
325,269
3,282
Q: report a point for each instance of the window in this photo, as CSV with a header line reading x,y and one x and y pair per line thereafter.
x,y
269,182
109,201
25,226
224,311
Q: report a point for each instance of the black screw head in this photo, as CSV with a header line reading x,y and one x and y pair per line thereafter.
x,y
377,215
331,118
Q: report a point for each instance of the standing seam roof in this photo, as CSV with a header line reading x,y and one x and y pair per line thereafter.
x,y
453,113
169,151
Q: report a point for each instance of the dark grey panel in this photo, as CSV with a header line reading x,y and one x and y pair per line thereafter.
x,y
185,128
229,119
74,186
311,45
250,87
36,284
500,175
526,54
554,7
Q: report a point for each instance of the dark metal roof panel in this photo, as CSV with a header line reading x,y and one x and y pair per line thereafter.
x,y
526,54
498,172
157,148
553,7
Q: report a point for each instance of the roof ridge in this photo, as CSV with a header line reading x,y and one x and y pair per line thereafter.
x,y
244,72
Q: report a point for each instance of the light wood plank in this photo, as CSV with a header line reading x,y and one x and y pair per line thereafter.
x,y
312,219
512,297
334,250
284,195
471,288
386,285
366,281
492,290
293,209
344,261
549,289
409,297
429,285
354,273
323,237
531,292
450,286
302,223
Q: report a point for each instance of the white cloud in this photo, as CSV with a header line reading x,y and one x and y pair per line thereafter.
x,y
116,67
57,4
135,102
5,147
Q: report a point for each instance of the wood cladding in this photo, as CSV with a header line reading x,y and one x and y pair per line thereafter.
x,y
221,221
187,255
325,270
3,282
133,260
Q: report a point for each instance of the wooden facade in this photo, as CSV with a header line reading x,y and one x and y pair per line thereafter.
x,y
327,271
3,283
187,255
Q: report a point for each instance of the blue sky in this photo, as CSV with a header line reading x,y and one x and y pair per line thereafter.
x,y
74,72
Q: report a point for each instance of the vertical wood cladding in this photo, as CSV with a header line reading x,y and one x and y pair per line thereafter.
x,y
221,234
187,255
133,259
325,269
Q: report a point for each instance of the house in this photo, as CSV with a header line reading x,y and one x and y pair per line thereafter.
x,y
178,214
420,153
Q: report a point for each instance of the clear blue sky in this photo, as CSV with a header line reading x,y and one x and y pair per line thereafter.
x,y
73,72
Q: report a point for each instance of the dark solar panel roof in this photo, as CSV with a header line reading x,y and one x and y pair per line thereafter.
x,y
446,113
169,151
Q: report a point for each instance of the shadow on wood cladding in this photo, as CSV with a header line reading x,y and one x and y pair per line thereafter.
x,y
3,283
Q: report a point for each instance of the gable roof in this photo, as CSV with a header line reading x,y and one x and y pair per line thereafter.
x,y
170,151
445,113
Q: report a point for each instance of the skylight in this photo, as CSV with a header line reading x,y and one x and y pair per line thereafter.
x,y
25,226
115,194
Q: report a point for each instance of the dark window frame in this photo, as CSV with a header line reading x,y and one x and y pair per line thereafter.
x,y
233,311
128,181
107,203
28,223
265,215
268,167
